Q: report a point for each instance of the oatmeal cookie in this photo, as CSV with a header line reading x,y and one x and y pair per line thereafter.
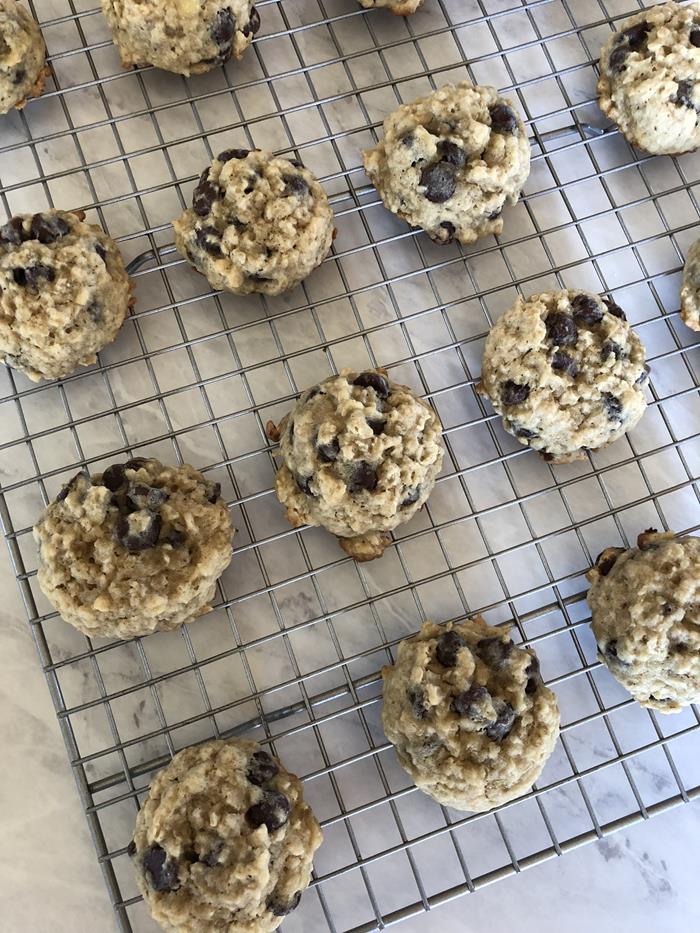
x,y
22,56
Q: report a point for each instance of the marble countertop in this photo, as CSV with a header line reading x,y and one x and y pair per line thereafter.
x,y
643,879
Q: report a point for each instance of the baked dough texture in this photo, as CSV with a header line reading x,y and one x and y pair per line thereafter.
x,y
135,549
64,293
22,56
468,714
565,371
224,841
690,290
258,223
360,455
450,162
399,7
645,606
648,75
182,36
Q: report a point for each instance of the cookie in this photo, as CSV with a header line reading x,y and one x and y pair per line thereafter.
x,y
450,162
360,455
690,291
645,608
258,223
64,293
22,56
184,37
468,714
648,78
565,371
399,7
133,550
224,841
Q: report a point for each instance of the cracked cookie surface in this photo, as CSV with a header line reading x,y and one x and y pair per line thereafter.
x,y
690,290
468,714
224,840
450,162
645,606
258,223
360,455
64,293
182,36
649,71
22,56
133,550
566,373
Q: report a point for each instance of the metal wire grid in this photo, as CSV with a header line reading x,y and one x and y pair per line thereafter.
x,y
292,651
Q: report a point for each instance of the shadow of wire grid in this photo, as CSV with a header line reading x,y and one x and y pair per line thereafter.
x,y
292,651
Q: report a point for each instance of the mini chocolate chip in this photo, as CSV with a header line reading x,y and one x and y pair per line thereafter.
x,y
261,768
532,672
30,277
513,393
213,492
114,477
272,810
614,308
327,453
138,531
279,908
408,140
252,182
416,699
439,182
503,119
695,37
101,252
223,30
447,647
613,406
69,487
364,476
376,381
683,96
377,425
204,195
610,348
562,362
525,433
468,702
131,848
142,496
586,310
48,229
561,329
294,185
19,77
161,870
173,537
304,483
494,651
411,497
445,233
13,232
636,35
211,858
209,239
452,153
500,729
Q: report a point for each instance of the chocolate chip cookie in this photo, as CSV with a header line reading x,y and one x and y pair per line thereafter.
x,y
224,840
468,714
566,372
690,291
399,7
135,549
360,455
645,606
258,223
648,78
450,162
64,293
22,56
188,37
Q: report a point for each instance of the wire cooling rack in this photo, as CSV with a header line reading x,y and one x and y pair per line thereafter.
x,y
291,652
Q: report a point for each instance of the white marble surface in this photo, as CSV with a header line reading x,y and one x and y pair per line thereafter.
x,y
642,880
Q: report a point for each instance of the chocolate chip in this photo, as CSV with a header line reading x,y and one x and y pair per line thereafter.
x,y
135,463
586,310
94,311
500,729
376,381
416,699
439,182
610,348
494,215
101,252
513,393
252,182
408,140
695,37
204,195
261,768
617,61
613,406
13,232
444,234
561,329
534,678
447,647
311,393
69,487
142,496
30,277
614,308
161,870
304,483
494,651
364,476
411,497
683,96
562,362
211,858
606,560
452,153
114,477
19,77
131,848
377,425
525,433
228,154
636,35
294,185
138,531
644,375
173,537
279,908
48,229
272,810
327,453
254,24
224,27
213,492
209,239
256,277
469,701
503,119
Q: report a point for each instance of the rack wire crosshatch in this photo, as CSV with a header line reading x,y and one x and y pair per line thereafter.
x,y
292,651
